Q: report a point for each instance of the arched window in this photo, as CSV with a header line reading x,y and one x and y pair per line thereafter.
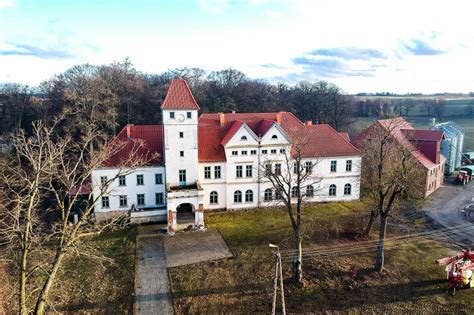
x,y
294,192
332,190
268,196
347,189
243,138
274,137
249,196
213,197
309,191
237,196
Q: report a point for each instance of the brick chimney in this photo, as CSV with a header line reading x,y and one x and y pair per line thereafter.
x,y
279,118
222,119
309,123
129,132
233,112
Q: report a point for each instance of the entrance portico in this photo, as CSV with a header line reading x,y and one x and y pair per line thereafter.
x,y
184,206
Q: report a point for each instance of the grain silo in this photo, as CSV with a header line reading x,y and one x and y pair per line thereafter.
x,y
452,145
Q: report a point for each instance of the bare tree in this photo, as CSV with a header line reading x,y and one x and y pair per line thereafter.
x,y
389,172
44,188
439,108
294,182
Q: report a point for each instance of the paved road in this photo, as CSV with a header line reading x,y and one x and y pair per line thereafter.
x,y
152,287
444,206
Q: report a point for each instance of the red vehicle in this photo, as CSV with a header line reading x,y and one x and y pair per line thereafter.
x,y
459,270
462,178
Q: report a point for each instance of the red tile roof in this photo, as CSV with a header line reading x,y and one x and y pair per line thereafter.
x,y
398,127
423,135
152,148
179,96
320,140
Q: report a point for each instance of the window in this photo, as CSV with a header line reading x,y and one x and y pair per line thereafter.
x,y
248,171
140,199
249,196
347,189
103,180
181,153
172,115
332,190
122,181
278,169
217,172
238,171
268,169
182,177
235,152
268,194
207,172
253,152
105,202
159,200
264,151
158,179
274,137
139,179
273,151
181,134
282,150
122,201
237,196
189,115
348,165
278,195
308,166
213,198
309,191
295,168
294,192
333,166
244,152
243,138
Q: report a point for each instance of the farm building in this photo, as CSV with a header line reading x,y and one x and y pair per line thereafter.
x,y
452,145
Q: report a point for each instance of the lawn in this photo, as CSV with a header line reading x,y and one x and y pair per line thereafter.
x,y
412,282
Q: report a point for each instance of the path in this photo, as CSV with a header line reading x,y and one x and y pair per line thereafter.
x,y
152,286
444,206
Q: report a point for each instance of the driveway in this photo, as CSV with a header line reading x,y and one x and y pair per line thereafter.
x,y
444,207
152,286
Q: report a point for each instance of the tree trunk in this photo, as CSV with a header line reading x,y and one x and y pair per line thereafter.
x,y
373,215
297,262
24,254
379,257
41,303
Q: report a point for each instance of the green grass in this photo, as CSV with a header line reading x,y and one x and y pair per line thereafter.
x,y
412,283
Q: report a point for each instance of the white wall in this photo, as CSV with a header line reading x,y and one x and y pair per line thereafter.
x,y
174,144
131,189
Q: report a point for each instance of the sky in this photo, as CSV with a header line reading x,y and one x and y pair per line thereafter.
x,y
402,46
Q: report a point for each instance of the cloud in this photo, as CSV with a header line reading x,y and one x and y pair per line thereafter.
x,y
420,47
333,68
43,53
6,4
349,53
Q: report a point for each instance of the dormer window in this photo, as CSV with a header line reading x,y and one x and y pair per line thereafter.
x,y
274,137
243,138
171,115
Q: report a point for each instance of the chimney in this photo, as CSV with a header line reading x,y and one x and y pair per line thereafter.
x,y
279,118
222,119
309,123
233,112
128,131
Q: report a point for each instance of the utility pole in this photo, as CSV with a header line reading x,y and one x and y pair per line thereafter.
x,y
278,274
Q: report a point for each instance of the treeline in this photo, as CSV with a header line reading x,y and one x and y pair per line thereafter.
x,y
117,94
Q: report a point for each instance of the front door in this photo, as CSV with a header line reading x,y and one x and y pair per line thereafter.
x,y
182,178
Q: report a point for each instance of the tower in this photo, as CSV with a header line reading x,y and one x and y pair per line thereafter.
x,y
180,123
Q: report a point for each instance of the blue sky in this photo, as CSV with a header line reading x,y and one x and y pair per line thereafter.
x,y
364,45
